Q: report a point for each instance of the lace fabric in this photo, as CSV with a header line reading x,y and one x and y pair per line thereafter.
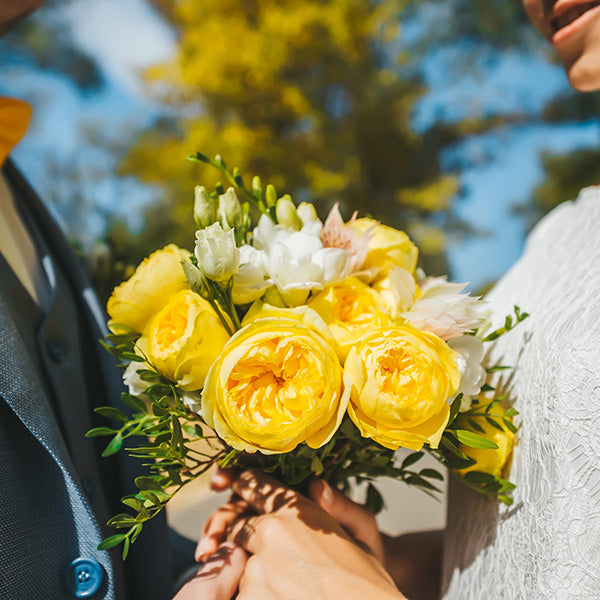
x,y
547,545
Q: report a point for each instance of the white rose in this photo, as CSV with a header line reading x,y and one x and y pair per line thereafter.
x,y
216,252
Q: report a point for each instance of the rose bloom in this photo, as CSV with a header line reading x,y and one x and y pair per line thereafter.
x,y
183,340
350,309
277,383
155,280
490,460
400,380
386,247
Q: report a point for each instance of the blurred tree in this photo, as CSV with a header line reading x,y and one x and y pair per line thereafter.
x,y
306,93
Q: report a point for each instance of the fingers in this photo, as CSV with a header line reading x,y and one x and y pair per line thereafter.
x,y
218,578
263,493
357,520
216,527
222,479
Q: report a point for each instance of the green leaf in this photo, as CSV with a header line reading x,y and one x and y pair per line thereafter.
x,y
510,425
475,425
121,520
411,459
494,423
480,477
511,412
135,531
133,357
126,544
114,414
431,474
487,388
100,431
113,446
176,437
473,440
506,499
147,483
316,466
230,458
374,499
133,402
455,408
497,368
112,541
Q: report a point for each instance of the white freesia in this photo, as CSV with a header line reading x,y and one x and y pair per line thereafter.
x,y
251,279
216,252
135,384
193,401
441,309
470,354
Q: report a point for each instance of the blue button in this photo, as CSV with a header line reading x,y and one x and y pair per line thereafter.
x,y
84,577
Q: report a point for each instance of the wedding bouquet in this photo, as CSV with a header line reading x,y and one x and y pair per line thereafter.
x,y
300,347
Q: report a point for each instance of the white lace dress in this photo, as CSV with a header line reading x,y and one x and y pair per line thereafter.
x,y
547,545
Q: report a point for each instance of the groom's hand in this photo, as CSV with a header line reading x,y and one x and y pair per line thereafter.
x,y
219,576
297,549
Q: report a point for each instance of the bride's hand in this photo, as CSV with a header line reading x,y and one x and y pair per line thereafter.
x,y
297,549
357,520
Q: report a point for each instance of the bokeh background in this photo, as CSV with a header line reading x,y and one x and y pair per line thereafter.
x,y
449,119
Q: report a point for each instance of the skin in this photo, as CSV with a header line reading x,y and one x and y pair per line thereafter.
x,y
297,550
580,52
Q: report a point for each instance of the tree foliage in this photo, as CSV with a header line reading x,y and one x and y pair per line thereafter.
x,y
308,93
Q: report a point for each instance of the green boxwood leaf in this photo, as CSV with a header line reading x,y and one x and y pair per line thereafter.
x,y
112,541
411,459
113,446
114,414
100,431
147,483
473,440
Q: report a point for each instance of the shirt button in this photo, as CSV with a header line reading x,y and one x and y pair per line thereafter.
x,y
84,577
57,351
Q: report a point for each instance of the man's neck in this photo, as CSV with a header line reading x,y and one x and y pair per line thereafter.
x,y
18,248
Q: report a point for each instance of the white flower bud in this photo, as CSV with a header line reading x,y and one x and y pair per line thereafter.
x,y
286,213
230,210
205,211
216,252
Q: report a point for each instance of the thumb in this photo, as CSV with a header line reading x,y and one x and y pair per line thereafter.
x,y
356,519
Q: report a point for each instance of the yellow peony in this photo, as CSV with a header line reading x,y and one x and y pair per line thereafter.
x,y
490,460
400,379
154,282
276,384
387,246
350,309
183,340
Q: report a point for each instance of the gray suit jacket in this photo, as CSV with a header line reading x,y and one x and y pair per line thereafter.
x,y
55,491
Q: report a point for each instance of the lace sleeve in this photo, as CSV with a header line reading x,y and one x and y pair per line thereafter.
x,y
547,545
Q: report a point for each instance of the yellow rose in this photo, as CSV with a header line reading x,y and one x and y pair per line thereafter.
x,y
350,309
489,460
183,340
155,280
400,380
387,247
276,384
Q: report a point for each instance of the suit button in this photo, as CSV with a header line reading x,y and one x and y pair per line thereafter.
x,y
57,351
84,577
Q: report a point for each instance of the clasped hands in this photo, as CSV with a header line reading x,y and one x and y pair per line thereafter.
x,y
270,542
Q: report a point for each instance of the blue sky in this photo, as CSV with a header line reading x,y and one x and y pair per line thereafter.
x,y
499,170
